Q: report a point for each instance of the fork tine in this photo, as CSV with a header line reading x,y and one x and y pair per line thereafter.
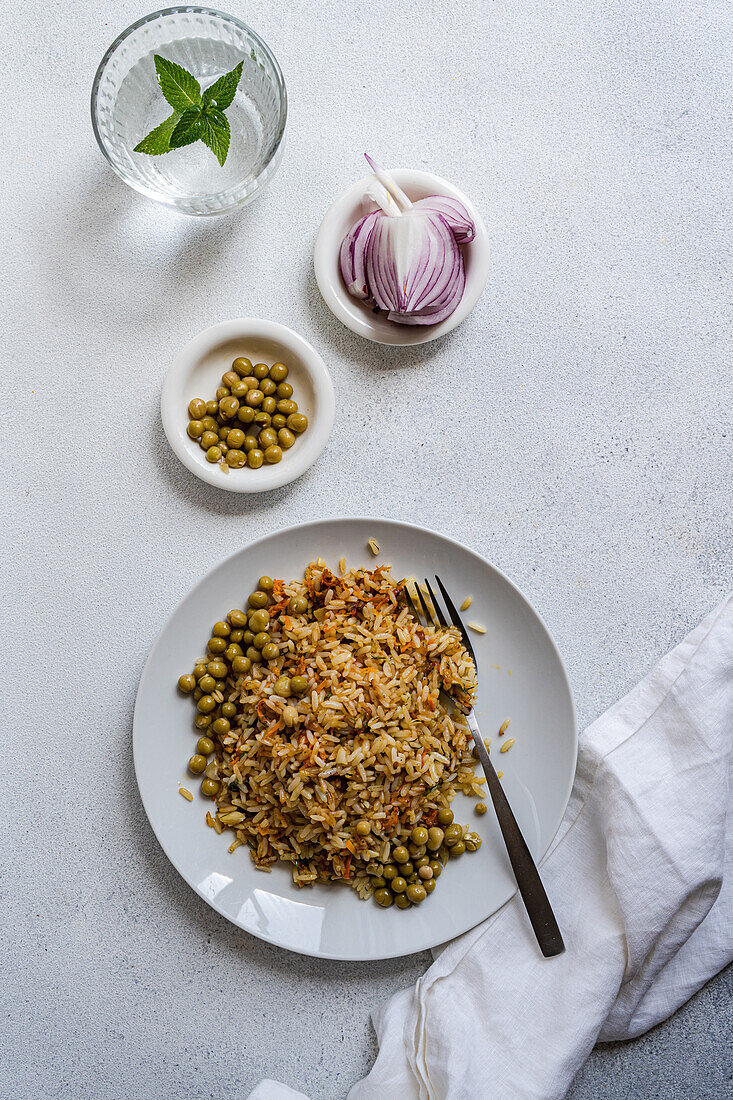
x,y
438,609
456,619
413,595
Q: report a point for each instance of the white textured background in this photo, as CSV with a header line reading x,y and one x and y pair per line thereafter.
x,y
573,430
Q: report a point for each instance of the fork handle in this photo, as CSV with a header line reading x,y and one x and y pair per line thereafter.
x,y
536,902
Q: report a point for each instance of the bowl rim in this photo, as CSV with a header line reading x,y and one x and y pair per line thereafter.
x,y
188,9
292,465
348,310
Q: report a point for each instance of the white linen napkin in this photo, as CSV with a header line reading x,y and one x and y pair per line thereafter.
x,y
640,877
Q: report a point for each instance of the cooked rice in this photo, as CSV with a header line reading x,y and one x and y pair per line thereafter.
x,y
372,740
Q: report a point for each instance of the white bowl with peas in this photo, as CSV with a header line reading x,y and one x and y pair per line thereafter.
x,y
247,405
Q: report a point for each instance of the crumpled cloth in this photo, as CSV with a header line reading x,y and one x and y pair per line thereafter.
x,y
641,880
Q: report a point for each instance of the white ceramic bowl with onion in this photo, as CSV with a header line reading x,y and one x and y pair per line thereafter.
x,y
362,318
196,372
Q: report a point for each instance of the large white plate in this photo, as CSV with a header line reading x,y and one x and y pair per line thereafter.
x,y
521,676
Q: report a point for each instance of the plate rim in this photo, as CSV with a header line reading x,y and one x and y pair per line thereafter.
x,y
278,942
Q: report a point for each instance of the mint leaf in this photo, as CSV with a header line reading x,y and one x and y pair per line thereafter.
x,y
158,140
179,87
188,128
215,133
221,93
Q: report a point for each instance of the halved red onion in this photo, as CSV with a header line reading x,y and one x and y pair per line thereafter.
x,y
405,257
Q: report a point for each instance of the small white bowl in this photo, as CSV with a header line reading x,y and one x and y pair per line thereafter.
x,y
196,372
361,318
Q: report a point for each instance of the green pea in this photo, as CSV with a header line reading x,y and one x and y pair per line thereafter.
x,y
217,669
239,388
298,605
235,438
265,584
278,372
422,861
390,871
269,405
378,883
271,651
453,834
209,439
400,854
241,664
209,788
210,425
416,893
254,398
417,850
212,408
445,817
261,640
299,684
268,387
250,444
199,670
259,619
403,902
232,651
204,746
255,458
197,764
245,415
297,422
207,684
221,630
398,885
284,390
436,867
221,726
237,617
267,438
228,710
260,370
254,655
282,687
202,721
262,419
187,683
195,429
472,842
206,704
435,838
419,835
407,869
197,409
258,599
273,455
285,437
228,406
429,886
287,407
362,828
278,421
242,366
457,849
383,897
229,378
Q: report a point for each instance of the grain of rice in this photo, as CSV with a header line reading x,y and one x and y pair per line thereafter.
x,y
507,745
466,603
373,546
185,794
477,627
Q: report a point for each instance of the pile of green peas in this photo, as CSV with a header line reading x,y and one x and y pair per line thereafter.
x,y
413,868
252,419
237,644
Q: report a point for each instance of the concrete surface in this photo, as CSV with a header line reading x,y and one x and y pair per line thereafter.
x,y
574,430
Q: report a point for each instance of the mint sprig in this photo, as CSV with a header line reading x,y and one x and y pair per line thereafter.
x,y
196,116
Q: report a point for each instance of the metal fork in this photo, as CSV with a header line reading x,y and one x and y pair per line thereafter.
x,y
528,879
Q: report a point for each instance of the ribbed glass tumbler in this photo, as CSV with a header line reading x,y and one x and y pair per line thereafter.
x,y
127,103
